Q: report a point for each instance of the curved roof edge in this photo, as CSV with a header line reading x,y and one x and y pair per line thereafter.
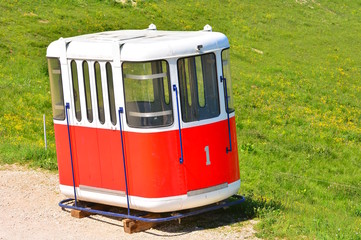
x,y
137,45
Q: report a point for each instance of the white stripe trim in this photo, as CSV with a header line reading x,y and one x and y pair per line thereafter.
x,y
101,190
206,190
165,204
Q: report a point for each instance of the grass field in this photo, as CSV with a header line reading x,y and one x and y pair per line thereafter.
x,y
296,81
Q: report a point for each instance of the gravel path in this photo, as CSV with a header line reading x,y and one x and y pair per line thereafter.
x,y
29,210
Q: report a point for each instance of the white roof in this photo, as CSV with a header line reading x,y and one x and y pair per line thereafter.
x,y
137,45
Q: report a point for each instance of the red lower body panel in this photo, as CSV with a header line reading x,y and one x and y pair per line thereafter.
x,y
152,159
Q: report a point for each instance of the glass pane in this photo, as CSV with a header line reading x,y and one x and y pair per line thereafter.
x,y
198,87
189,62
147,94
183,88
88,99
139,87
166,84
99,89
111,99
227,75
200,84
76,96
56,87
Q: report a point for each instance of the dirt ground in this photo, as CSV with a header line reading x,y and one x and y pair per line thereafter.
x,y
29,210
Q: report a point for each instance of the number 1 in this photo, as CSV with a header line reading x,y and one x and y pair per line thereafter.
x,y
206,149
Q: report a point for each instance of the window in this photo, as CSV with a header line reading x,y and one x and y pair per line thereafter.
x,y
147,91
56,87
88,98
76,96
111,99
227,74
198,87
99,90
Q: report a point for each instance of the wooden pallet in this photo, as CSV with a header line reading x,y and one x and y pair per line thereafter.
x,y
130,226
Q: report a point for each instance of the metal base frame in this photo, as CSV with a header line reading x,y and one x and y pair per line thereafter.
x,y
173,216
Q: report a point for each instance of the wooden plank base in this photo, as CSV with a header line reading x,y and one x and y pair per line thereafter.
x,y
132,226
79,214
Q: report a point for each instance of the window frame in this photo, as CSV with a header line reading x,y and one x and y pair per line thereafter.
x,y
162,98
111,93
191,108
59,84
101,114
87,92
229,84
75,89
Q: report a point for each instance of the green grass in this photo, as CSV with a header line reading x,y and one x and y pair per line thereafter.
x,y
296,82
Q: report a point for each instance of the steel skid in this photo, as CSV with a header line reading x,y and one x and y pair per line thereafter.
x,y
139,216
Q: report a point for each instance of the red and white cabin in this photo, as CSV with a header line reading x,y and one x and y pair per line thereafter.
x,y
179,131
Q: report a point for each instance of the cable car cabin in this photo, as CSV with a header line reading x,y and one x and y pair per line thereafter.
x,y
144,115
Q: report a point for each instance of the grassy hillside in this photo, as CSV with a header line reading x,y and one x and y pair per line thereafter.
x,y
296,82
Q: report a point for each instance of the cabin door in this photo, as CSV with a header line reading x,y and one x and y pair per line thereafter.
x,y
204,133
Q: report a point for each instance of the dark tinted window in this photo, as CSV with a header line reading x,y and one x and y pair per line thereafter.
x,y
198,87
227,75
76,96
111,99
88,98
99,90
56,86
